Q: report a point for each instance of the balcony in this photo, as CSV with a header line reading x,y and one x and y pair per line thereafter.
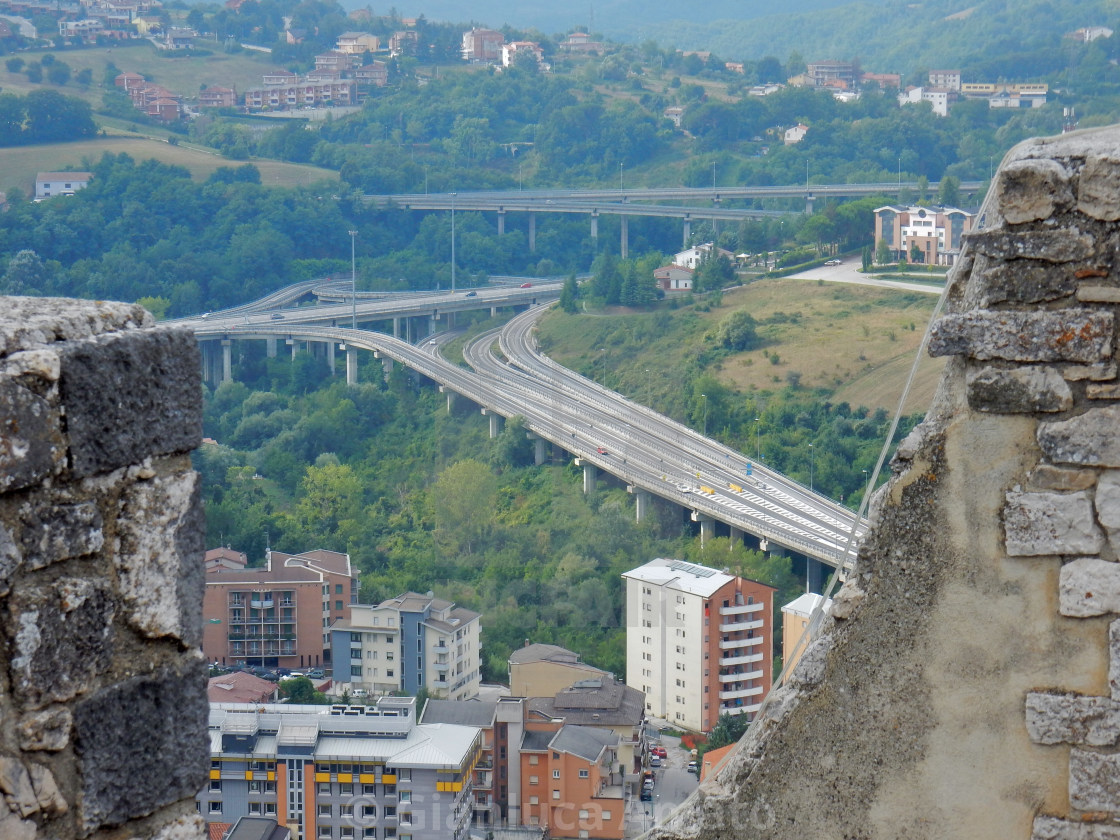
x,y
740,677
743,692
736,626
261,605
733,644
729,661
741,609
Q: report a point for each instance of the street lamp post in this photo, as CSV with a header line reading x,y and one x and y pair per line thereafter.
x,y
705,396
620,187
452,242
649,389
756,449
353,283
812,463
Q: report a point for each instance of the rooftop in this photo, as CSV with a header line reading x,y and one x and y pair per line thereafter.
x,y
677,574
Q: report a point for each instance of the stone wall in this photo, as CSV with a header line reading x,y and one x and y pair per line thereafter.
x,y
967,683
103,689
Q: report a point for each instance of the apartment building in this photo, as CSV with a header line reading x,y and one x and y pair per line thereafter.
x,y
937,232
341,772
538,670
407,643
277,615
795,623
480,45
699,642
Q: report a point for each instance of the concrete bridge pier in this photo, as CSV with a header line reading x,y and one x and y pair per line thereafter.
x,y
270,347
625,245
590,476
433,324
736,536
294,345
501,222
397,326
707,526
539,453
642,500
809,204
594,224
443,389
330,356
687,230
495,425
387,367
351,366
227,360
532,233
816,573
493,312
209,363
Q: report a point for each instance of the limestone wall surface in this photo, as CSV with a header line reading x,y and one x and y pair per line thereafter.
x,y
967,684
103,708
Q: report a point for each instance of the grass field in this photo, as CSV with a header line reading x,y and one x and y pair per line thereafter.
x,y
18,165
184,74
855,342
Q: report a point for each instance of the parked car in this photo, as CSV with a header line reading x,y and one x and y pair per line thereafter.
x,y
655,761
832,262
646,795
693,767
658,751
316,673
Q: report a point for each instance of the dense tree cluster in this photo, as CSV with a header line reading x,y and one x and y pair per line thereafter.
x,y
43,116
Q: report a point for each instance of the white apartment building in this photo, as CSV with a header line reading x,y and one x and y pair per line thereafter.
x,y
406,643
699,642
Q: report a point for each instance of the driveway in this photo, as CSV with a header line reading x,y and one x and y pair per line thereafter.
x,y
849,272
674,784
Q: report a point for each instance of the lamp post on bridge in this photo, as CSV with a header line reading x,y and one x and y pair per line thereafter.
x,y
756,449
705,396
353,283
812,464
452,242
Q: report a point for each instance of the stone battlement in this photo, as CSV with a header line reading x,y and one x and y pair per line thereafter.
x,y
101,537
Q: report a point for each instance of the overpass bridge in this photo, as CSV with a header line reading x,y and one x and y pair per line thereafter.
x,y
626,203
604,431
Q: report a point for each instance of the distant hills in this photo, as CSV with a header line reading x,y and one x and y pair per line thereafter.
x,y
886,36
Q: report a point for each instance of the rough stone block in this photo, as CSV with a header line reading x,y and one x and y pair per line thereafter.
x,y
1032,190
129,396
162,577
15,782
61,639
46,730
1098,188
1107,501
1094,781
1053,246
30,323
1094,373
1018,391
1073,719
1037,524
1090,439
1026,281
60,532
1114,659
1054,828
1103,391
1046,477
42,364
1089,587
11,558
31,444
165,757
1070,335
1098,294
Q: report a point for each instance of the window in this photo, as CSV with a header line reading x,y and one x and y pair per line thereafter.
x,y
270,809
583,814
405,796
369,811
346,787
404,775
606,816
533,800
369,790
215,785
390,811
338,606
390,673
556,794
215,807
369,834
324,788
534,780
406,818
556,774
254,809
324,810
584,773
355,670
338,589
254,786
534,759
346,810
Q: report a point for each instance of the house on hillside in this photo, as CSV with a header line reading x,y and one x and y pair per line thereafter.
x,y
481,45
795,135
50,184
356,43
513,49
673,279
217,96
692,257
936,232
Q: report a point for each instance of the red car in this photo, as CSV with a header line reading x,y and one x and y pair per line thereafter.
x,y
526,285
658,751
601,450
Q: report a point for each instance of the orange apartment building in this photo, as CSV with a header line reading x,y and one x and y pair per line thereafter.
x,y
277,615
936,232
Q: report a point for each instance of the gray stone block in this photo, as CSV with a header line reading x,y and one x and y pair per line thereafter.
x,y
31,443
1070,335
31,323
1018,391
130,396
1053,246
1054,828
1089,587
1098,294
1038,524
1046,477
1026,281
161,574
1073,719
47,730
1094,781
1098,188
1032,190
60,532
1090,439
165,757
11,558
60,639
1114,659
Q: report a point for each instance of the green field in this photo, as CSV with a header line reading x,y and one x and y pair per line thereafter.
x,y
19,164
184,74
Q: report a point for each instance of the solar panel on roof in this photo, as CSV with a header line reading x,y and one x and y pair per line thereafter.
x,y
692,569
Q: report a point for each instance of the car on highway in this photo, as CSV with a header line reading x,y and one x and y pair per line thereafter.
x,y
276,316
832,262
433,341
526,285
472,294
601,450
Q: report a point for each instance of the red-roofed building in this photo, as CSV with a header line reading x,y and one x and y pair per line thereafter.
x,y
277,615
712,760
241,687
217,97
